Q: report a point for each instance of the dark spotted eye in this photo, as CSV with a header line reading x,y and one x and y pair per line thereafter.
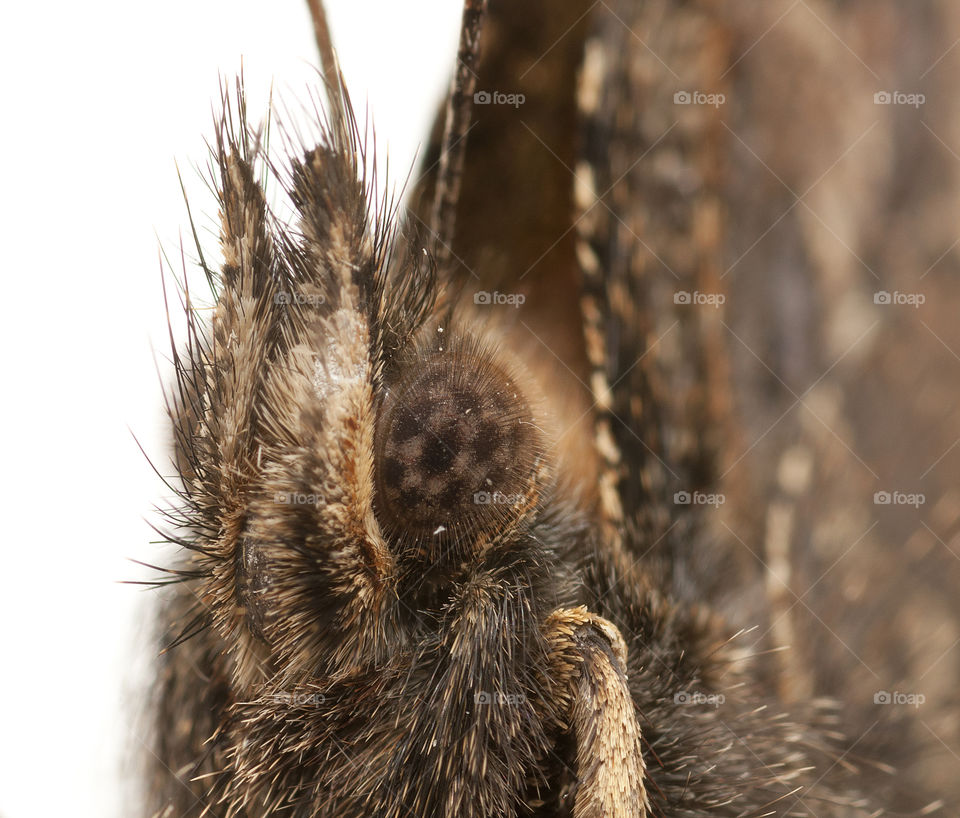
x,y
458,448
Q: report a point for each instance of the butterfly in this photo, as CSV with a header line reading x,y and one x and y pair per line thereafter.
x,y
485,505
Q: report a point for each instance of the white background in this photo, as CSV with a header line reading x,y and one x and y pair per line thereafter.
x,y
99,101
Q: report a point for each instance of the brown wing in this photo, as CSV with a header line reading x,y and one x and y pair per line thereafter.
x,y
744,158
729,244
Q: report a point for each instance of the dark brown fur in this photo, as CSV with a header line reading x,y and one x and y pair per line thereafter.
x,y
355,633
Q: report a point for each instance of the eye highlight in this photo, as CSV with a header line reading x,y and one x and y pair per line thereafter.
x,y
457,446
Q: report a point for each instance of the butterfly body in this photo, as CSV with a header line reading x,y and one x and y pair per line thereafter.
x,y
458,505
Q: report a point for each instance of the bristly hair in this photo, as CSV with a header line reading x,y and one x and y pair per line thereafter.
x,y
399,593
273,293
324,378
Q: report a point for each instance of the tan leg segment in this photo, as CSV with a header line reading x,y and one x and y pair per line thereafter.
x,y
589,659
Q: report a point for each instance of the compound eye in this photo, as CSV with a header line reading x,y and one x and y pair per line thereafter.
x,y
457,448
